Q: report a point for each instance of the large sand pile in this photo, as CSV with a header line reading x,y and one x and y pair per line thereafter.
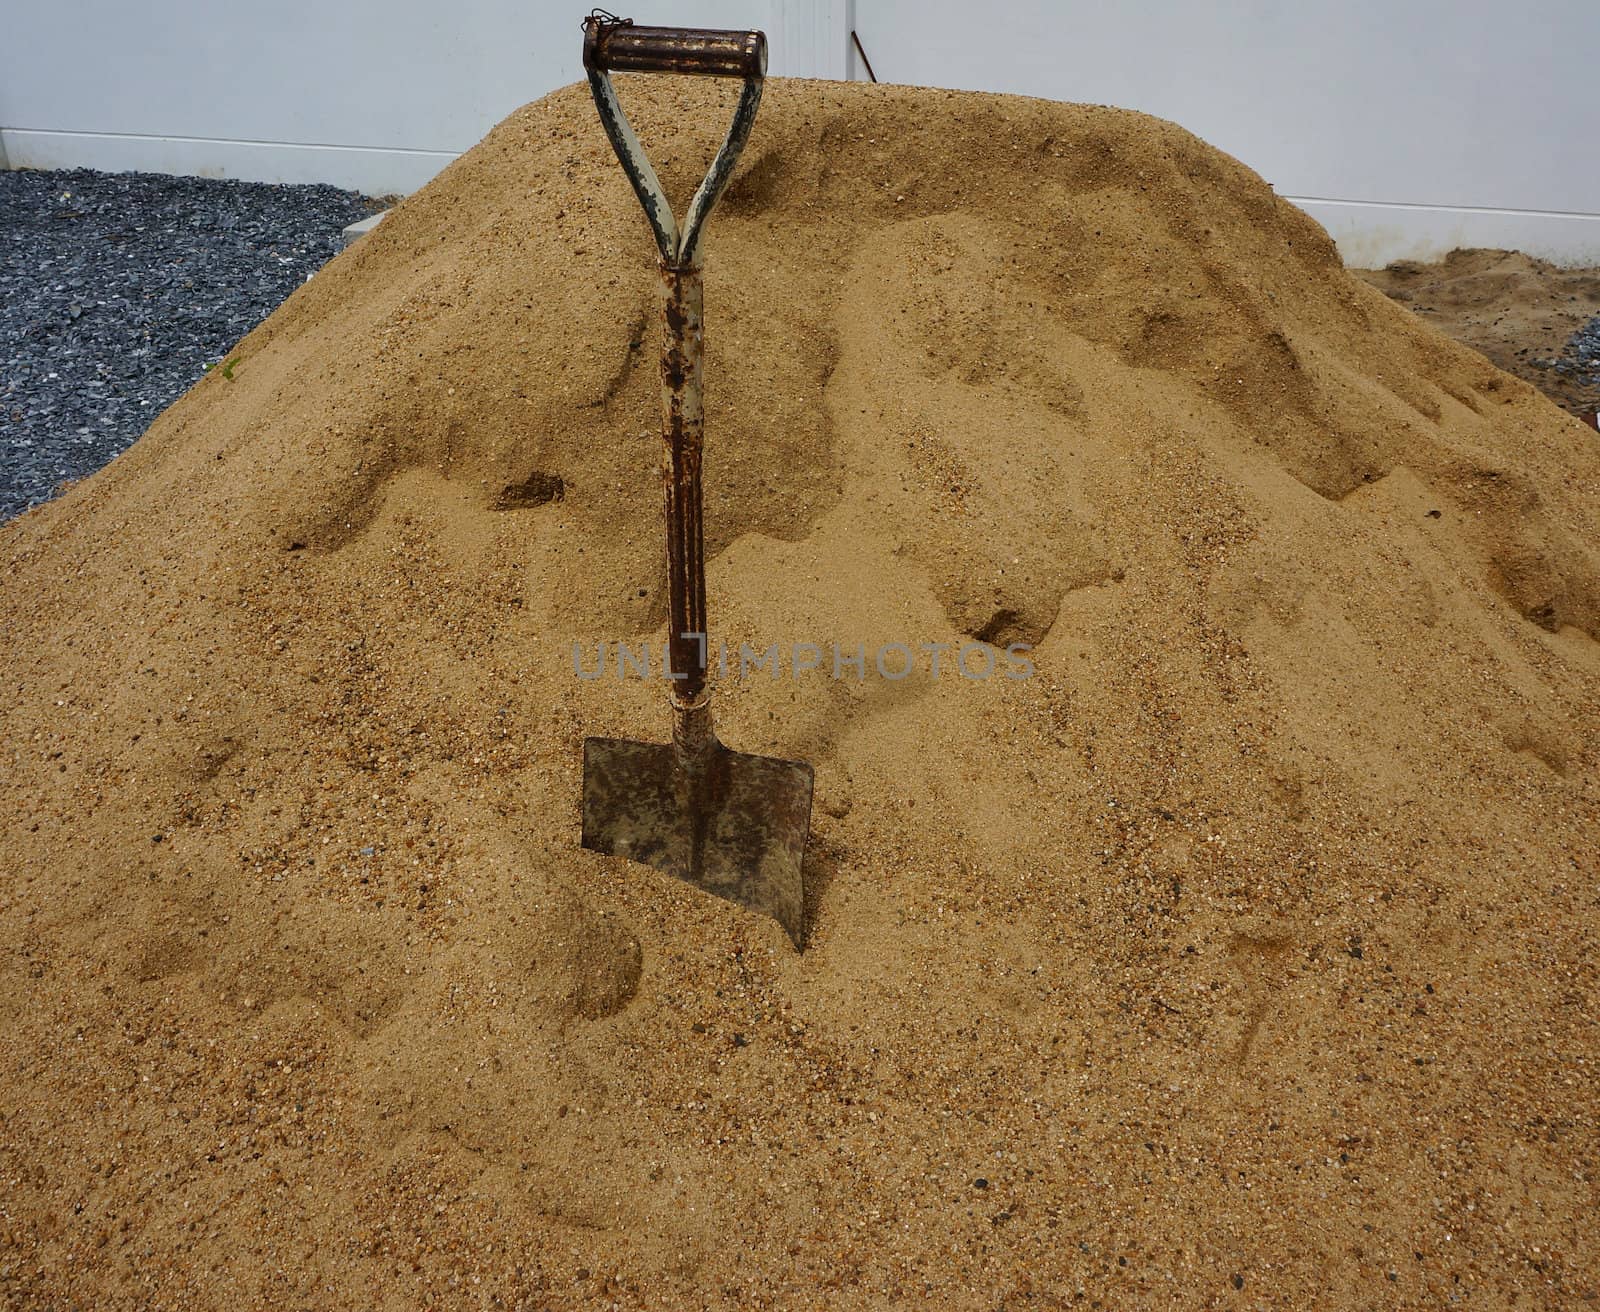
x,y
1244,956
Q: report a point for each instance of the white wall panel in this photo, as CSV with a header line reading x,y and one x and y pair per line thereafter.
x,y
1405,126
376,94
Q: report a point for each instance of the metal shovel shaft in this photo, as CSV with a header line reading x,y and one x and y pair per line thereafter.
x,y
683,434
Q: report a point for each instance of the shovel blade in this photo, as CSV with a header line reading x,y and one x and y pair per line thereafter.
x,y
735,825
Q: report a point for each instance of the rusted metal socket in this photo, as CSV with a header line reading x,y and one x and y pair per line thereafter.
x,y
697,52
692,735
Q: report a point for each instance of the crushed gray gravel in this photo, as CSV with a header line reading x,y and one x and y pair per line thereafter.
x,y
1580,360
118,290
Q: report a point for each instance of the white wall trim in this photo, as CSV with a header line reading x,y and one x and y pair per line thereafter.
x,y
375,170
1371,234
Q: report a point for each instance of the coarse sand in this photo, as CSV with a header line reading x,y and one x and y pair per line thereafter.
x,y
1244,956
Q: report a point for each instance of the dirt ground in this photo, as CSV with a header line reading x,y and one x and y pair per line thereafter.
x,y
1519,311
1246,955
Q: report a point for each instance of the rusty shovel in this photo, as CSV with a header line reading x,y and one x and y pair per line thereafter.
x,y
730,823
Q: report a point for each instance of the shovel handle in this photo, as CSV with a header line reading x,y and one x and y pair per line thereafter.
x,y
613,45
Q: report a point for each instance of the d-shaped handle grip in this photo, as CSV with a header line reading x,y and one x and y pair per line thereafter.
x,y
611,43
618,46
